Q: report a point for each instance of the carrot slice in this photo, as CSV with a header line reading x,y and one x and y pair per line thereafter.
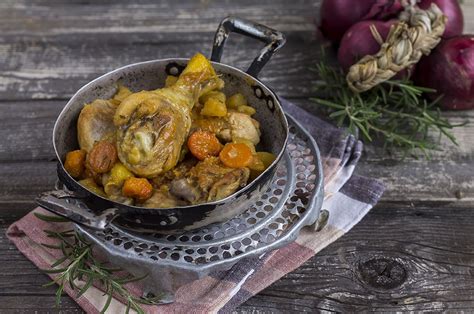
x,y
203,144
74,163
138,188
236,155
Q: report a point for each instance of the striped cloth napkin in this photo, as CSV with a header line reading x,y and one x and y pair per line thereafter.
x,y
348,198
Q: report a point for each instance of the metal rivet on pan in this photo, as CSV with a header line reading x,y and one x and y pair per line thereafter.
x,y
174,68
174,71
270,104
258,92
172,220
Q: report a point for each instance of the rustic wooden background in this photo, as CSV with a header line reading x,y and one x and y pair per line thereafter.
x,y
423,227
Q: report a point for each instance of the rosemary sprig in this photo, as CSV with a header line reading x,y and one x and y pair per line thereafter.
x,y
395,110
79,265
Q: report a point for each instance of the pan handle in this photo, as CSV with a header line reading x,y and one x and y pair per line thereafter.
x,y
69,205
273,39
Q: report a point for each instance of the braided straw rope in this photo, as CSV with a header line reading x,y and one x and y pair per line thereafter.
x,y
415,35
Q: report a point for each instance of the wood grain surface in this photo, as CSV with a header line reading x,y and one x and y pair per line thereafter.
x,y
418,241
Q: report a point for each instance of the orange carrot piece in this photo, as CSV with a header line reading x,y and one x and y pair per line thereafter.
x,y
138,188
203,144
74,163
236,155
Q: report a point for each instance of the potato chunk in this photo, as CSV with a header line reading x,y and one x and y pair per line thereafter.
x,y
214,94
236,100
214,108
92,186
246,109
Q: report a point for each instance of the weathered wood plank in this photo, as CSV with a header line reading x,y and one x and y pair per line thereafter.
x,y
22,182
431,242
421,179
50,18
37,304
27,70
26,130
84,44
468,10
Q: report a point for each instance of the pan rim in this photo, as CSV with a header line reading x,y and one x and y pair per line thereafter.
x,y
223,201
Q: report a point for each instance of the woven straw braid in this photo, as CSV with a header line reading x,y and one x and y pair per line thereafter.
x,y
415,35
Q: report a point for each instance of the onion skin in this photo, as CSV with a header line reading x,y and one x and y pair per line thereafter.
x,y
453,11
450,70
358,42
337,16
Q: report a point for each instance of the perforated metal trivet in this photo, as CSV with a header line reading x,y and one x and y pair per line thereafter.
x,y
291,202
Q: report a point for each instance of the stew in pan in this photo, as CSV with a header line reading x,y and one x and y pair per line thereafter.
x,y
186,143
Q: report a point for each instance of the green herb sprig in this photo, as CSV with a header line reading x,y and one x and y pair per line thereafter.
x,y
78,263
395,110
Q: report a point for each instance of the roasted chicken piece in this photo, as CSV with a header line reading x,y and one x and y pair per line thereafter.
x,y
162,199
209,181
228,184
95,123
234,126
153,125
244,127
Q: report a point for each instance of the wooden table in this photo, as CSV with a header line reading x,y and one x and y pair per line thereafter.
x,y
424,226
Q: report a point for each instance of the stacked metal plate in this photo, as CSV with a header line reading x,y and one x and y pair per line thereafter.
x,y
275,219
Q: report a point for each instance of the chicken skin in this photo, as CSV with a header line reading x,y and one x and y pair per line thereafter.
x,y
153,125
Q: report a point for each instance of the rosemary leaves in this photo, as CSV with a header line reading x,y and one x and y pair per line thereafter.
x,y
78,264
395,110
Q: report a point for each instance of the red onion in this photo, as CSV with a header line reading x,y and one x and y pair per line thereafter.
x,y
359,41
452,10
337,16
450,70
